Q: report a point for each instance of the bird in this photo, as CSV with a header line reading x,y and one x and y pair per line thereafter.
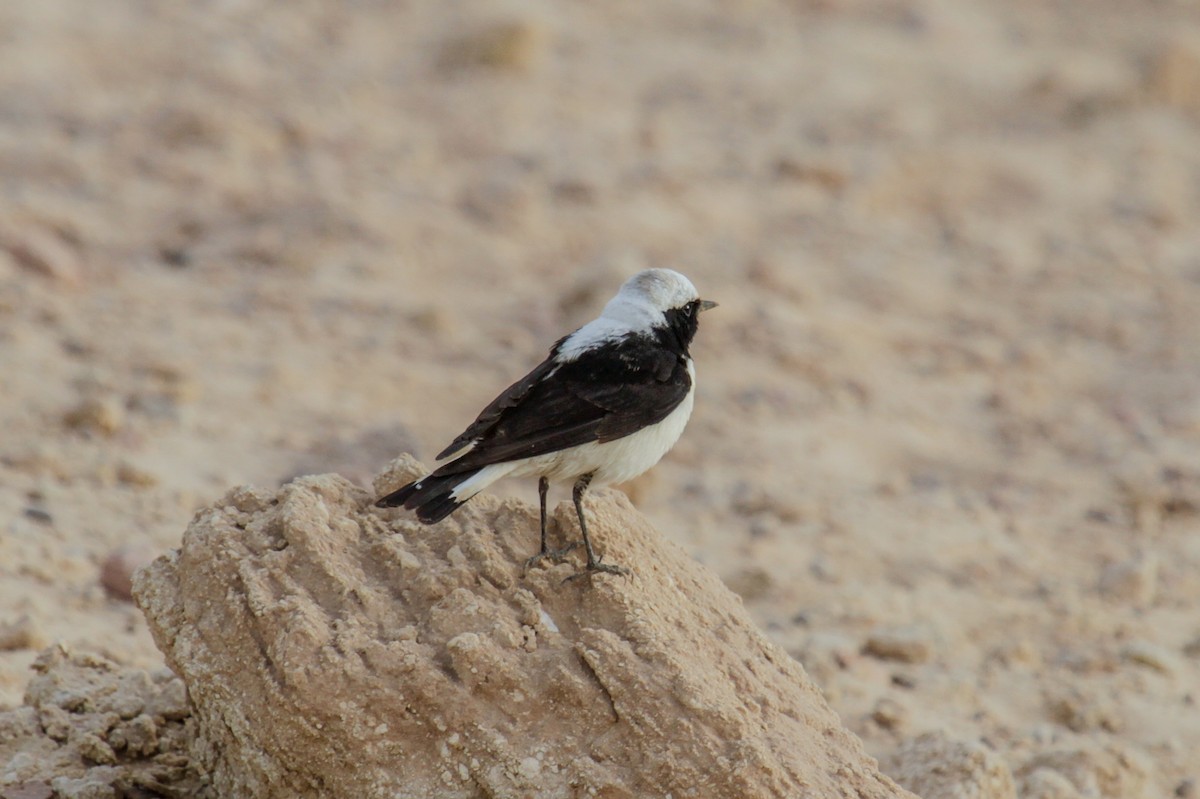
x,y
605,405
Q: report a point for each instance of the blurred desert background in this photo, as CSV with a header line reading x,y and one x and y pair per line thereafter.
x,y
946,442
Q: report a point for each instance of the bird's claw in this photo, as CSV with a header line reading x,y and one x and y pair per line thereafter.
x,y
598,567
556,555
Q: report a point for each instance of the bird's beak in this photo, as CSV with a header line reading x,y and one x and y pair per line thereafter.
x,y
706,304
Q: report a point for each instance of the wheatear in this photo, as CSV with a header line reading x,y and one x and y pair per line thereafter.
x,y
605,406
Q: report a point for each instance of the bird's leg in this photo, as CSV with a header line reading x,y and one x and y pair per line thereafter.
x,y
545,551
593,563
543,487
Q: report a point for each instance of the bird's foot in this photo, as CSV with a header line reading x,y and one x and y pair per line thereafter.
x,y
598,567
556,555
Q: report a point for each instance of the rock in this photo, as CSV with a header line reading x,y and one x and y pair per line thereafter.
x,y
1151,655
43,251
1094,768
905,644
116,573
751,583
509,46
18,723
1082,710
889,714
309,625
96,784
96,415
134,476
934,766
1045,783
1133,582
27,790
21,634
81,731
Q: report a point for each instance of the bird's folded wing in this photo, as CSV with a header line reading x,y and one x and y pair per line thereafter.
x,y
600,396
490,415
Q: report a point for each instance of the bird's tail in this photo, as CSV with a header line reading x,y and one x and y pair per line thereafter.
x,y
435,497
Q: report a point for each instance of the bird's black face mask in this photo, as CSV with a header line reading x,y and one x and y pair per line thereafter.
x,y
681,327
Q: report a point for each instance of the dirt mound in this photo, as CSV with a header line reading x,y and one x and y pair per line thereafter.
x,y
332,649
90,729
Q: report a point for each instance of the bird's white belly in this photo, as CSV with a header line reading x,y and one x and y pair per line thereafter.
x,y
609,462
619,460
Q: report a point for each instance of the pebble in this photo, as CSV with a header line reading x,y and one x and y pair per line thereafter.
x,y
130,475
1134,581
1083,711
905,644
1145,653
116,573
508,46
43,251
21,634
103,415
889,714
751,583
1046,783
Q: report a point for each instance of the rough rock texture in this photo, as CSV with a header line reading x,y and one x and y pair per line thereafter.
x,y
332,649
936,766
90,729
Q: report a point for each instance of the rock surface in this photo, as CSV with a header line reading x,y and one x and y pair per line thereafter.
x,y
332,649
938,767
92,729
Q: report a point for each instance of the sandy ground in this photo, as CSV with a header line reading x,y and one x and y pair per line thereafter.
x,y
947,436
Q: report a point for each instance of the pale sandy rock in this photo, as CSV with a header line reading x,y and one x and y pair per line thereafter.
x,y
890,714
1083,710
1152,656
82,730
935,766
905,644
1133,581
507,45
309,625
132,475
28,790
21,634
1045,783
43,251
97,415
98,783
1094,768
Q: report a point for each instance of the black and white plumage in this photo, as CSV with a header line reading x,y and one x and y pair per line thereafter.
x,y
607,403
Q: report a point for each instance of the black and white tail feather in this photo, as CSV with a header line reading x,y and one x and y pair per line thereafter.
x,y
607,403
431,497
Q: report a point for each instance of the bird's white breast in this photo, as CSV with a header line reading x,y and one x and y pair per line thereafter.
x,y
619,460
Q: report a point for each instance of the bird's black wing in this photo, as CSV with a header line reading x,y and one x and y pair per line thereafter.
x,y
509,398
604,394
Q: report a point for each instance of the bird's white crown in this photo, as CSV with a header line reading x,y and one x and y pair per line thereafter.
x,y
648,295
639,307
